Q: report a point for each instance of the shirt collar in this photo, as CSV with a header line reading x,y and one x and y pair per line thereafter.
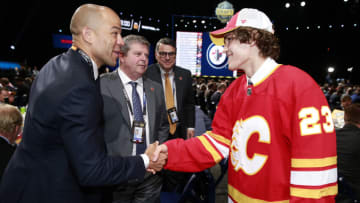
x,y
125,79
4,138
265,70
95,69
163,72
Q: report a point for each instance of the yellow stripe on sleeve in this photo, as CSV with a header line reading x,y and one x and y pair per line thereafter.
x,y
311,163
216,156
314,193
219,138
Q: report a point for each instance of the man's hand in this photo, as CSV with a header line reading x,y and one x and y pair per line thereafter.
x,y
162,149
151,149
158,164
190,133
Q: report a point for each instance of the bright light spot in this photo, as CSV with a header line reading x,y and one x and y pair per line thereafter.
x,y
287,5
302,3
350,69
60,30
331,69
12,47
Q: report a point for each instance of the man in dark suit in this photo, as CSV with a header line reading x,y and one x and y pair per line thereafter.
x,y
62,156
181,87
179,99
119,115
348,155
10,126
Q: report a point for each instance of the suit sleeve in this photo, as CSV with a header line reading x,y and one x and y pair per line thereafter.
x,y
163,131
201,152
189,105
313,162
84,142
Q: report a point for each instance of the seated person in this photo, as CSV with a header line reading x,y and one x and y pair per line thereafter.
x,y
10,126
348,152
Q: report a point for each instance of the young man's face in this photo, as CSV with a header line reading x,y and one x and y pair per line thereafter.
x,y
238,53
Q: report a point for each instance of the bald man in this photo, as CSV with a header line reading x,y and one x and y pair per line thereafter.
x,y
62,156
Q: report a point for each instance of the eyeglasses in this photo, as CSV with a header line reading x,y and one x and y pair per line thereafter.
x,y
169,54
229,39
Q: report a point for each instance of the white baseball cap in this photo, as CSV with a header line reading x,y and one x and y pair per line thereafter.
x,y
246,17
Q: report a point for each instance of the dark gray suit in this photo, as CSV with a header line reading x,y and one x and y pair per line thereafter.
x,y
185,100
184,97
118,129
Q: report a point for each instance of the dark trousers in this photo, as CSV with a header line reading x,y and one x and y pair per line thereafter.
x,y
147,191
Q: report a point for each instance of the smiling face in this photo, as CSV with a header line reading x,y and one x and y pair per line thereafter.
x,y
107,39
238,53
166,56
135,62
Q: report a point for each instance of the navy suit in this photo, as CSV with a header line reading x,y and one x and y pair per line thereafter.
x,y
62,156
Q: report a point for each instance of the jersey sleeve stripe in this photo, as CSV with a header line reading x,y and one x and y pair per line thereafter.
x,y
215,154
310,163
313,193
314,178
219,138
221,148
237,196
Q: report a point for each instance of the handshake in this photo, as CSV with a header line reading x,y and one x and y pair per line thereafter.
x,y
158,155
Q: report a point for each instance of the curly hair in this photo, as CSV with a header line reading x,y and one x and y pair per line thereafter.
x,y
267,42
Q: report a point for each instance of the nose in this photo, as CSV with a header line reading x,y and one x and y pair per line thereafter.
x,y
225,49
119,40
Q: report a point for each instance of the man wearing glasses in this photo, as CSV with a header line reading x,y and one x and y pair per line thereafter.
x,y
178,95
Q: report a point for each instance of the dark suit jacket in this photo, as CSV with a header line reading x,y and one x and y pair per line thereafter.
x,y
6,151
348,156
184,97
117,119
62,156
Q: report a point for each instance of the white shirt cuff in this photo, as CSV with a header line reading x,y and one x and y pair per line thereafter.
x,y
146,160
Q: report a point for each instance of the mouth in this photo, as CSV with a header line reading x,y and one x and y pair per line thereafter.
x,y
116,53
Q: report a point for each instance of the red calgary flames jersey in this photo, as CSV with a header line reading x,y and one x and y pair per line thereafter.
x,y
278,135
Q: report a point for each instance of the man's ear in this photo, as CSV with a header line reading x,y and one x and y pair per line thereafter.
x,y
87,35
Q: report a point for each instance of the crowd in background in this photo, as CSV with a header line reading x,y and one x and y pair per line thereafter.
x,y
15,87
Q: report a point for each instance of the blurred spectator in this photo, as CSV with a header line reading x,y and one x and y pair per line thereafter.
x,y
215,98
348,152
356,96
10,126
4,95
35,71
334,100
345,101
202,122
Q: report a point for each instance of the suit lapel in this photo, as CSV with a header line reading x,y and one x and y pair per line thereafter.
x,y
116,89
178,85
150,106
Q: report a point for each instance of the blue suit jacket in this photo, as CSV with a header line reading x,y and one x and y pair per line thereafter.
x,y
62,156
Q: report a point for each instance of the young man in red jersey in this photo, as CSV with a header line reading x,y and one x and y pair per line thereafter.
x,y
273,123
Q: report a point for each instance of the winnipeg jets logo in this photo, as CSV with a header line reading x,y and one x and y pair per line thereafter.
x,y
215,56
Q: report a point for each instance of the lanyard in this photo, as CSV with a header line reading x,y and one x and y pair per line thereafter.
x,y
129,104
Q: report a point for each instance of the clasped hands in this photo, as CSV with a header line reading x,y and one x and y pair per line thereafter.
x,y
157,155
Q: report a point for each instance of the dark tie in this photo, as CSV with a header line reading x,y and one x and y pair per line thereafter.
x,y
250,86
138,115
